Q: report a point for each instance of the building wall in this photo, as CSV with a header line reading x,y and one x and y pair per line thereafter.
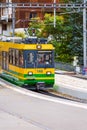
x,y
5,19
24,15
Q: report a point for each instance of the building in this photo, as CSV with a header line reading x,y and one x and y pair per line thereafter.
x,y
21,16
25,15
5,19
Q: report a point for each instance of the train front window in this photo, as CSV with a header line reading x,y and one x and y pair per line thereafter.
x,y
44,57
36,59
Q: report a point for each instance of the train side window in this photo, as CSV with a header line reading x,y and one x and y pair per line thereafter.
x,y
30,57
13,56
17,57
4,60
0,58
10,56
21,59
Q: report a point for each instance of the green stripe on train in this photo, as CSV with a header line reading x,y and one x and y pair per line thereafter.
x,y
31,80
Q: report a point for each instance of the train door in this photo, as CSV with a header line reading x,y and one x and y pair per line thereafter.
x,y
29,57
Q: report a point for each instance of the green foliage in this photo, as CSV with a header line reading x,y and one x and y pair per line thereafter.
x,y
67,35
76,42
20,34
36,24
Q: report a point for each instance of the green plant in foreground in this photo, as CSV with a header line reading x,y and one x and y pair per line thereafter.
x,y
55,87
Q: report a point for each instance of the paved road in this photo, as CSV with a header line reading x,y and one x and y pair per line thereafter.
x,y
70,81
24,110
71,85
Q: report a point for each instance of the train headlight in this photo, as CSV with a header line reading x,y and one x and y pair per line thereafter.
x,y
48,73
39,46
30,73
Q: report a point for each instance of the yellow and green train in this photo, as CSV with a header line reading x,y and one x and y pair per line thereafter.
x,y
30,64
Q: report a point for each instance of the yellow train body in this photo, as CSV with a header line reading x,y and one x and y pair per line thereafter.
x,y
27,71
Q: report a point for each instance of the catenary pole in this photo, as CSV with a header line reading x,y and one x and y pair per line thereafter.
x,y
54,13
13,21
84,36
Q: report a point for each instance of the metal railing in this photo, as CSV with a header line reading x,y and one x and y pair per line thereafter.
x,y
64,66
70,67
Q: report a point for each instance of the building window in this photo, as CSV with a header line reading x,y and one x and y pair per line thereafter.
x,y
33,15
4,26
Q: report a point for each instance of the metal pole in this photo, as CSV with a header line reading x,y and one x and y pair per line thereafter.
x,y
84,35
13,20
54,13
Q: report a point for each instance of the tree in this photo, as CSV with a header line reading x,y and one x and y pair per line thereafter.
x,y
67,36
37,25
45,29
75,20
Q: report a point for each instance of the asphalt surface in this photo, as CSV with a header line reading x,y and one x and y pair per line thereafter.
x,y
22,109
71,84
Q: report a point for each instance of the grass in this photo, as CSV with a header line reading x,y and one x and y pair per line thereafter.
x,y
55,87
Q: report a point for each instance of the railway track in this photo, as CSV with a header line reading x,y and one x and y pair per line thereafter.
x,y
56,94
49,92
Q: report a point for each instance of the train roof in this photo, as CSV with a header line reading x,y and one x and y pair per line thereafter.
x,y
28,43
28,40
